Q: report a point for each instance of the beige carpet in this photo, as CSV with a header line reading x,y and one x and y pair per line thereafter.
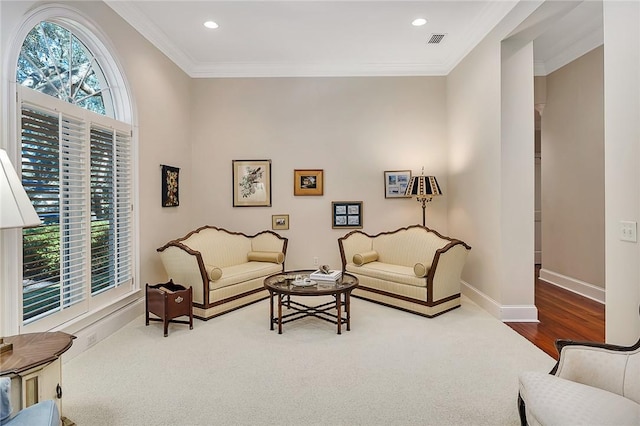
x,y
392,368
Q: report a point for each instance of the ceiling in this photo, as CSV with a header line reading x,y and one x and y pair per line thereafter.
x,y
322,38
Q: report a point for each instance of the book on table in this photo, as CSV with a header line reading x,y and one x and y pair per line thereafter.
x,y
321,276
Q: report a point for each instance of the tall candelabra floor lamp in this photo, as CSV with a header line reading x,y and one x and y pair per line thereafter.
x,y
16,210
424,188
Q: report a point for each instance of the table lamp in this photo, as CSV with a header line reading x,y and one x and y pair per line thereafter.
x,y
16,210
424,188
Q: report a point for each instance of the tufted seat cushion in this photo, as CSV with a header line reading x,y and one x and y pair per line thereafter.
x,y
551,400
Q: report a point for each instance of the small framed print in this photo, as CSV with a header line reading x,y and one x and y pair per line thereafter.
x,y
308,182
396,182
251,183
346,214
279,221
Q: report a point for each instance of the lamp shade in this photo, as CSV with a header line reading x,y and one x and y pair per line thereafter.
x,y
423,187
16,210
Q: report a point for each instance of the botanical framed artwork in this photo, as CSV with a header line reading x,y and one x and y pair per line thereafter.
x,y
170,195
346,214
251,183
308,182
279,221
396,182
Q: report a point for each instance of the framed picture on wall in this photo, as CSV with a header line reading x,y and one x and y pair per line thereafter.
x,y
251,183
308,182
279,221
396,182
170,195
346,214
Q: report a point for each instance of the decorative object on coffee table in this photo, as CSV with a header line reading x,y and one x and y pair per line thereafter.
x,y
169,301
308,182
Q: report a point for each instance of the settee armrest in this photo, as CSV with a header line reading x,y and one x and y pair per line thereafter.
x,y
601,365
446,269
186,267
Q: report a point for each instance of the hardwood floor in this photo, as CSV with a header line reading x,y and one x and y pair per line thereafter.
x,y
562,315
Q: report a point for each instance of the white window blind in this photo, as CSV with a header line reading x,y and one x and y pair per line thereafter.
x,y
77,172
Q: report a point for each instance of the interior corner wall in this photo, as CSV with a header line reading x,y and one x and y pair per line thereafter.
x,y
354,128
622,175
573,248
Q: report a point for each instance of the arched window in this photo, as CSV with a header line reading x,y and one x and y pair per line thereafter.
x,y
77,168
55,62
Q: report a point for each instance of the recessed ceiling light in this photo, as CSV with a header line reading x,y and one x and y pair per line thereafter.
x,y
210,24
419,22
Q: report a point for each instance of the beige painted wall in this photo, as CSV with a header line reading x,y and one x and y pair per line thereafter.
x,y
573,171
352,128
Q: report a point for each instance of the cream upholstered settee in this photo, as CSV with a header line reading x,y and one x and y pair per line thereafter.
x,y
225,269
414,268
591,384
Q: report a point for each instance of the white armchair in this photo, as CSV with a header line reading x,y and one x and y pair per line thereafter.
x,y
591,384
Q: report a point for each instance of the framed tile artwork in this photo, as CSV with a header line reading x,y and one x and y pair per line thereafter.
x,y
346,214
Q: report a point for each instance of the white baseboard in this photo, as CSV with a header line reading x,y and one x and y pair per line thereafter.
x,y
505,313
103,328
574,285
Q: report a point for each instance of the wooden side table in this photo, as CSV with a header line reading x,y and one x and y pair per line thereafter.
x,y
34,367
169,301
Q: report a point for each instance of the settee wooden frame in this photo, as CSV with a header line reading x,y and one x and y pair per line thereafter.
x,y
200,309
430,301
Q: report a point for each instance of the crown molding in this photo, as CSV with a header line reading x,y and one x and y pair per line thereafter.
x,y
229,70
132,14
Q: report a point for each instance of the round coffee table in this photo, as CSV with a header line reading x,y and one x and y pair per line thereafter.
x,y
282,286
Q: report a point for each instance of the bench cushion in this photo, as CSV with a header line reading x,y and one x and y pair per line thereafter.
x,y
551,400
244,272
388,272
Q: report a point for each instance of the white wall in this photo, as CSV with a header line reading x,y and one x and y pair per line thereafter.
x,y
352,128
622,175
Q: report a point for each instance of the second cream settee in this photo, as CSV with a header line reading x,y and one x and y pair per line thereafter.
x,y
414,268
225,269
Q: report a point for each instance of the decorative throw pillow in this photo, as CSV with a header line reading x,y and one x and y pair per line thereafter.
x,y
365,257
5,399
266,256
213,272
420,270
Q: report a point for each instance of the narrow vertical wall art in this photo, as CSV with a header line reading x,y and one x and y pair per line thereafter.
x,y
170,196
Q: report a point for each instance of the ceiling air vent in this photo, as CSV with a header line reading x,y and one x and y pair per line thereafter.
x,y
436,38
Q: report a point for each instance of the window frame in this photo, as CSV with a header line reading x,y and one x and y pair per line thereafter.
x,y
124,109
